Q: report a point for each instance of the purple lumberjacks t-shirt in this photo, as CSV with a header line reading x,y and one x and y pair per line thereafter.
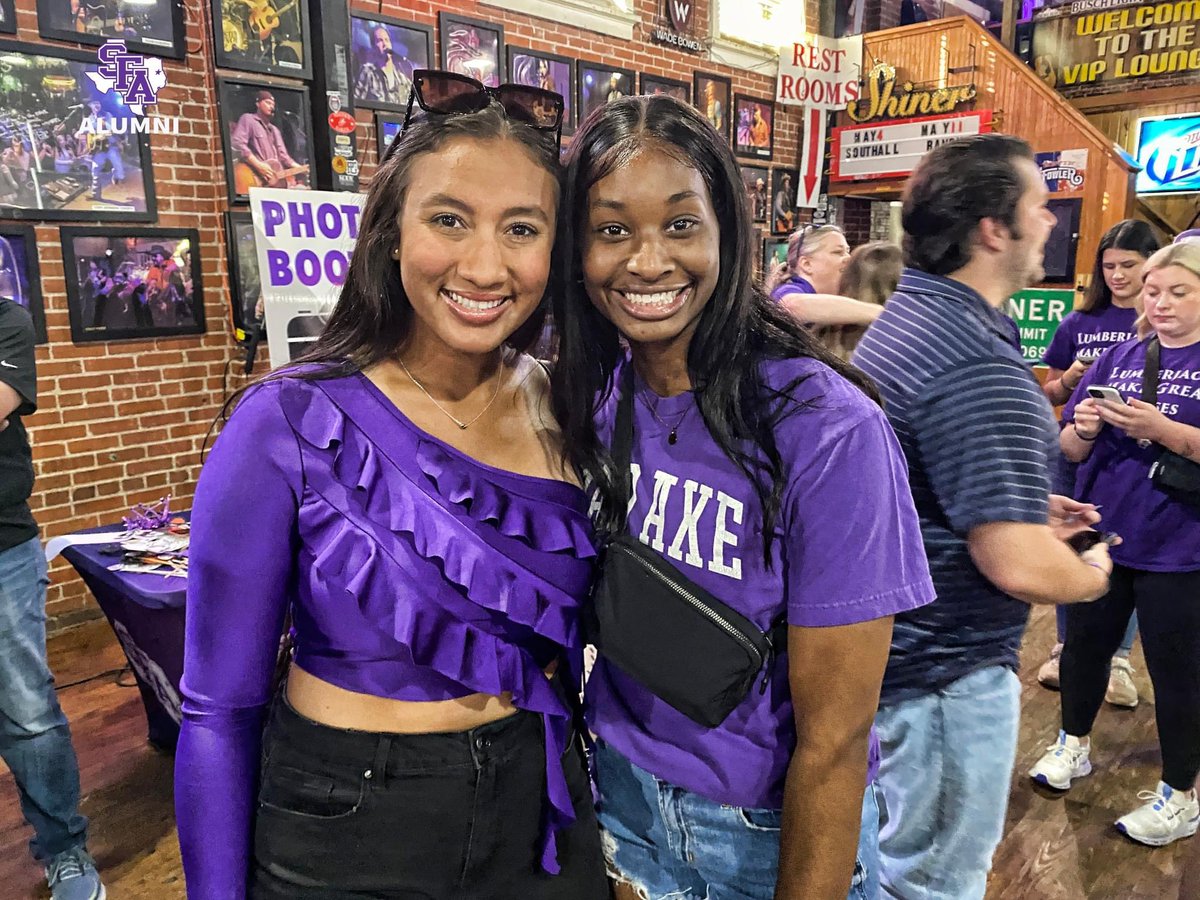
x,y
1159,534
848,549
1090,334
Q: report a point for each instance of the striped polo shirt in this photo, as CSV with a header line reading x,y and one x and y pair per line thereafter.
x,y
981,442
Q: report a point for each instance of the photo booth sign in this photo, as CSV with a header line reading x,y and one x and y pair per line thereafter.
x,y
304,240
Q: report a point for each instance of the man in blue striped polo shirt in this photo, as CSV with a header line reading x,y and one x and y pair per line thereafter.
x,y
979,436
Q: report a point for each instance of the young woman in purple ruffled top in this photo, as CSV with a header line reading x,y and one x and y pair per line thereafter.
x,y
403,496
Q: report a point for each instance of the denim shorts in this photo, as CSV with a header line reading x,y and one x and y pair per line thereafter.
x,y
344,815
671,844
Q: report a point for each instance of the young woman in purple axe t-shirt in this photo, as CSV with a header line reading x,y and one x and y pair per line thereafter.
x,y
759,463
402,493
1157,566
1105,318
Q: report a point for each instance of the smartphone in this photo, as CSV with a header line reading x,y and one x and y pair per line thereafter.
x,y
1087,356
1085,540
1104,392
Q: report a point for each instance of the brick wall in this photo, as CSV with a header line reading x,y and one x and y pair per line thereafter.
x,y
123,422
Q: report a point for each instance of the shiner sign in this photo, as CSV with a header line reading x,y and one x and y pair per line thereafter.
x,y
820,74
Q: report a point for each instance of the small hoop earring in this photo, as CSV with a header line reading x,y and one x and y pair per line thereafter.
x,y
396,254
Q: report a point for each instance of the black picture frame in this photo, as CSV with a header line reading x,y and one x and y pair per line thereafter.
x,y
21,275
236,45
245,282
760,201
721,116
1062,246
69,195
153,29
417,43
8,17
672,87
456,58
386,123
123,260
784,181
520,59
236,99
744,142
592,81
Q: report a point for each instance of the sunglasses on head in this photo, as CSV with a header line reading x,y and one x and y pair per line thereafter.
x,y
450,94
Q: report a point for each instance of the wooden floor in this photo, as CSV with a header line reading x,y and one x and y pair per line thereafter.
x,y
1056,847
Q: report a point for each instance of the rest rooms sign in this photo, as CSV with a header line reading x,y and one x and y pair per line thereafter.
x,y
1039,312
893,149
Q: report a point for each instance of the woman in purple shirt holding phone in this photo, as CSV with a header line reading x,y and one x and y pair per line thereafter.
x,y
402,496
1105,318
1121,446
765,474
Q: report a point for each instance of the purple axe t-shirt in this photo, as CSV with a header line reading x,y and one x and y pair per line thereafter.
x,y
1159,534
848,549
1090,334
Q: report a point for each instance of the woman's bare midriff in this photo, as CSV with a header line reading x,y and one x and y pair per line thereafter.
x,y
337,707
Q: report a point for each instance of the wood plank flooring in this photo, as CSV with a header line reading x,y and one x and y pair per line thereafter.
x,y
1055,847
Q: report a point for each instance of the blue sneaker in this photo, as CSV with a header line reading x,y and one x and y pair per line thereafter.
x,y
72,875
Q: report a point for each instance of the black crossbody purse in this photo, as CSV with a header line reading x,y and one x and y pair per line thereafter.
x,y
673,637
1174,475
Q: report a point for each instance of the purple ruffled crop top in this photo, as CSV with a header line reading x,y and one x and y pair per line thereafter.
x,y
412,572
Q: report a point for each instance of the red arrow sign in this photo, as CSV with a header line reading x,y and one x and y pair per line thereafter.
x,y
814,158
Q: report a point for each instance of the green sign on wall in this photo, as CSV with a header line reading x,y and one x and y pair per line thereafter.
x,y
1038,312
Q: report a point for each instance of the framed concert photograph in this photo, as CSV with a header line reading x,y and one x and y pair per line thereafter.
x,y
774,252
387,129
151,27
265,36
784,183
8,17
69,153
680,90
245,285
757,180
267,132
136,283
384,53
548,71
713,96
472,47
20,277
598,84
753,126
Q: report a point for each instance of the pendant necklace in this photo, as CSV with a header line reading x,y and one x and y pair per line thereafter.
x,y
463,426
672,437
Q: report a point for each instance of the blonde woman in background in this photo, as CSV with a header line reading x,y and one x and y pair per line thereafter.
x,y
807,284
870,277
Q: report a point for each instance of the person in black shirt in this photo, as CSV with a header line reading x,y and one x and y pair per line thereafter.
x,y
35,741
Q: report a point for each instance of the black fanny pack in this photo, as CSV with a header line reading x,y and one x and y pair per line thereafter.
x,y
1176,476
673,637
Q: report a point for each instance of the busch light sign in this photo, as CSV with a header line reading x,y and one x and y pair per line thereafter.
x,y
1168,150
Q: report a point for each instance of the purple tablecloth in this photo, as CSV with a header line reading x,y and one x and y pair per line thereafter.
x,y
147,614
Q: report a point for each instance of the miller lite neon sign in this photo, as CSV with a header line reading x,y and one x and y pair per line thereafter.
x,y
1168,150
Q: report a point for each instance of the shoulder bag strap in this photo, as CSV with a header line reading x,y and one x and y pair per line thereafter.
x,y
1150,373
622,446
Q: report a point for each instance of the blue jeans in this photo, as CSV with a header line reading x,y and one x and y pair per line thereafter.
x,y
947,762
671,844
1060,614
35,741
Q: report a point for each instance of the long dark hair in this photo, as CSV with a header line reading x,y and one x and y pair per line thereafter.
x,y
373,315
738,329
1128,234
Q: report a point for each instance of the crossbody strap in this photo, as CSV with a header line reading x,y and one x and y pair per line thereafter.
x,y
623,444
1150,374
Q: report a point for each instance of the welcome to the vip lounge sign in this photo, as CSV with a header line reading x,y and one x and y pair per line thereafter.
x,y
1096,47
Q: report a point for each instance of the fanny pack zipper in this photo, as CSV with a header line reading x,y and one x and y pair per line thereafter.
x,y
696,603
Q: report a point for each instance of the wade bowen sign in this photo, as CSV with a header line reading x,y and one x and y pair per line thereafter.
x,y
677,27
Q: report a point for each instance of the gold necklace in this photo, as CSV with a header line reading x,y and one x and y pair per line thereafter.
x,y
449,415
671,437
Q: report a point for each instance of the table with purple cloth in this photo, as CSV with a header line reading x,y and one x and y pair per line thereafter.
x,y
146,611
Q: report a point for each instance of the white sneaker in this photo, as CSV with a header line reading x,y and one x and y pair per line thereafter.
x,y
1065,760
1121,689
1168,816
1048,673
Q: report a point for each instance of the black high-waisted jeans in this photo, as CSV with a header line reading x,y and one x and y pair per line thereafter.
x,y
353,814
